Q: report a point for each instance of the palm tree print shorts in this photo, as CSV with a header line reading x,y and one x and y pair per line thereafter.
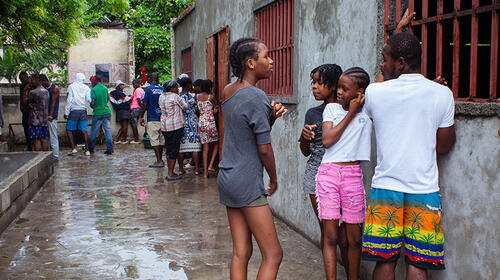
x,y
393,218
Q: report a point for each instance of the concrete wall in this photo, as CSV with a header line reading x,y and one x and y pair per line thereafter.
x,y
12,114
340,32
110,46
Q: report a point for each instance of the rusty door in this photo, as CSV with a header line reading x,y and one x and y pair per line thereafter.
x,y
222,75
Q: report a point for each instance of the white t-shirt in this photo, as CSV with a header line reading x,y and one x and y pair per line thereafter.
x,y
354,144
406,114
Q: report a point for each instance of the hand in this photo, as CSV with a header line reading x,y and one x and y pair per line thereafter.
x,y
65,117
405,20
440,80
357,103
307,132
279,110
142,122
273,186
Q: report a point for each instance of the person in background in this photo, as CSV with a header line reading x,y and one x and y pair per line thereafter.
x,y
172,124
101,116
190,142
135,109
150,104
209,137
121,104
37,101
93,81
53,110
1,118
76,111
23,90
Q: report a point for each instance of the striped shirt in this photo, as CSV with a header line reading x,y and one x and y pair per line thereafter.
x,y
172,105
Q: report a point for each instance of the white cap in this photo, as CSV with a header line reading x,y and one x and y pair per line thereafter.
x,y
118,83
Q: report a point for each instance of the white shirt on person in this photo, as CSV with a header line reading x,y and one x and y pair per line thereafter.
x,y
355,142
406,114
78,95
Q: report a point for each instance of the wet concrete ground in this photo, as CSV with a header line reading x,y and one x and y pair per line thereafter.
x,y
112,217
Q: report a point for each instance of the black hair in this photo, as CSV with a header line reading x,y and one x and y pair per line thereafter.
x,y
184,81
153,78
407,46
329,74
239,52
23,73
136,81
359,75
206,86
43,78
197,83
98,78
168,85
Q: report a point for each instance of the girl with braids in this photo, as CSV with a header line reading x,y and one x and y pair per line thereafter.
x,y
339,183
324,81
247,149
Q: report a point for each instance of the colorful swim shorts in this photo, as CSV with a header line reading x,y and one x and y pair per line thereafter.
x,y
415,219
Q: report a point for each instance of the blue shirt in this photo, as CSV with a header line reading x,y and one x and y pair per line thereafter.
x,y
151,95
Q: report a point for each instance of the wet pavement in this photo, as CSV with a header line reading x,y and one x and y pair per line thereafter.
x,y
112,217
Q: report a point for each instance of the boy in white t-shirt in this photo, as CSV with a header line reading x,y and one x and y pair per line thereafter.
x,y
413,120
339,182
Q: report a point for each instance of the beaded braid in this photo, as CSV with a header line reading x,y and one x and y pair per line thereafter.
x,y
359,74
329,74
239,52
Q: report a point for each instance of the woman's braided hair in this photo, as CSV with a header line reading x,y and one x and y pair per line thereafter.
x,y
329,74
239,52
360,76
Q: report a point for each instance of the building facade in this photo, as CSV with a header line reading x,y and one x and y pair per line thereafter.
x,y
302,34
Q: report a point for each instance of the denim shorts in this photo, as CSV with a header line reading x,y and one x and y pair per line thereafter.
x,y
77,120
340,187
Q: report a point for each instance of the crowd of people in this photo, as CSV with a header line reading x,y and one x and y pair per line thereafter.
x,y
180,117
413,121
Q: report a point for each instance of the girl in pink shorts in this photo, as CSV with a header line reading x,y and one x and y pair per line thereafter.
x,y
339,182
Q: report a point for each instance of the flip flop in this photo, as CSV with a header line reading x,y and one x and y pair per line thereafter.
x,y
156,166
174,178
182,173
211,170
197,172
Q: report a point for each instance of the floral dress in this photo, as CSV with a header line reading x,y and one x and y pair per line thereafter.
x,y
208,129
190,142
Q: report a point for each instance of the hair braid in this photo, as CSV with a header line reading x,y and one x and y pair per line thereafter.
x,y
329,74
359,74
239,52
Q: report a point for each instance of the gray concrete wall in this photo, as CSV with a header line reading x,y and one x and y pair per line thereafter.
x,y
12,114
351,34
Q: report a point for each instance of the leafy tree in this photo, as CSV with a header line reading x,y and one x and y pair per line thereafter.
x,y
10,64
150,21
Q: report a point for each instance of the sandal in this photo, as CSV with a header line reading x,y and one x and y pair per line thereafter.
x,y
182,173
156,166
174,178
197,172
211,170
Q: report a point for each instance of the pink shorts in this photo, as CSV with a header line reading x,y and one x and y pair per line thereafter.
x,y
340,187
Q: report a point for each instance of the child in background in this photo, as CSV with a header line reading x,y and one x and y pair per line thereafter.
x,y
121,104
324,80
38,102
135,109
172,124
339,183
209,136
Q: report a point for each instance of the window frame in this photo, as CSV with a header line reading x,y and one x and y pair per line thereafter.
x,y
391,17
279,19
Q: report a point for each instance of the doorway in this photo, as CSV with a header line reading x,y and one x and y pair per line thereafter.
x,y
217,53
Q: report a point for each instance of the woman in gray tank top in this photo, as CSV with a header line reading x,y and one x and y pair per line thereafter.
x,y
246,151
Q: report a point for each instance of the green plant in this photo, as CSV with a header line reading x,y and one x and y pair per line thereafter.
x,y
10,64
